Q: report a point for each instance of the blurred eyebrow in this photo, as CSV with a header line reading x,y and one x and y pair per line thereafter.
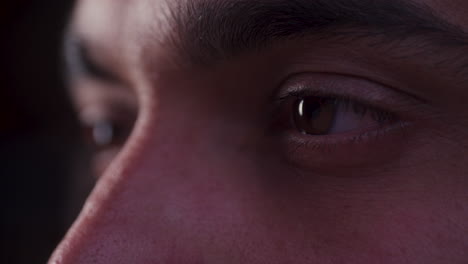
x,y
218,29
79,61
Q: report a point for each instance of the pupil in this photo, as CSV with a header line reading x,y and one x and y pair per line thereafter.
x,y
315,115
311,109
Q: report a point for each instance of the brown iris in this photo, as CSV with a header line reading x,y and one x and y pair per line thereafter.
x,y
315,115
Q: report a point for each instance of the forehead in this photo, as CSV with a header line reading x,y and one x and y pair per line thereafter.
x,y
127,27
121,26
116,15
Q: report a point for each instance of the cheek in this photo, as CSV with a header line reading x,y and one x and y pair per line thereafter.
x,y
215,201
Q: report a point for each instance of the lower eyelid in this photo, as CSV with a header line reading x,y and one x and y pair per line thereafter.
x,y
346,150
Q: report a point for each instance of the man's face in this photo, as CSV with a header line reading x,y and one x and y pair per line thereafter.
x,y
274,131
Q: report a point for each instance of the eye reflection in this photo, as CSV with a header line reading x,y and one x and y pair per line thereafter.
x,y
319,116
103,133
106,127
314,115
106,138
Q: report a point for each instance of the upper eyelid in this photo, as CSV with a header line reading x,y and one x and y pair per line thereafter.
x,y
353,102
351,76
346,98
357,88
364,91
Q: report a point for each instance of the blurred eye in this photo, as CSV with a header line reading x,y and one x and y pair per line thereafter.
x,y
101,134
106,134
106,138
319,116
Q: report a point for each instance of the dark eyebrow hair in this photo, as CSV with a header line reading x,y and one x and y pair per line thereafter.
x,y
219,29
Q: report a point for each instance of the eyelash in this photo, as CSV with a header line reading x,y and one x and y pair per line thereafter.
x,y
388,121
358,106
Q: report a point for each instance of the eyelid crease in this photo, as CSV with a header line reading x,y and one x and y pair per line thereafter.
x,y
281,93
355,88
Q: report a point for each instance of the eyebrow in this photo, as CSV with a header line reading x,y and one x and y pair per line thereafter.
x,y
78,60
211,30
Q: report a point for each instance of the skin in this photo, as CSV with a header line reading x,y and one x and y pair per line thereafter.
x,y
206,178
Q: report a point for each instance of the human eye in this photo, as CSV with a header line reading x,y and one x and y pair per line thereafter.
x,y
105,127
107,107
331,120
322,115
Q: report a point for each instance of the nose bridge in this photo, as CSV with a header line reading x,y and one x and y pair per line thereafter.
x,y
161,177
122,205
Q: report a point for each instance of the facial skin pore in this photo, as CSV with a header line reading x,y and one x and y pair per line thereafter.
x,y
272,131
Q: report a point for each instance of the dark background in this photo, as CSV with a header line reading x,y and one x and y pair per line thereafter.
x,y
39,136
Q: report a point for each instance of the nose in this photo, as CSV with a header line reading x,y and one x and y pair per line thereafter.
x,y
165,189
110,223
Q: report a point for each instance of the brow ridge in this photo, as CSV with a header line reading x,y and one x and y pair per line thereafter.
x,y
213,30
